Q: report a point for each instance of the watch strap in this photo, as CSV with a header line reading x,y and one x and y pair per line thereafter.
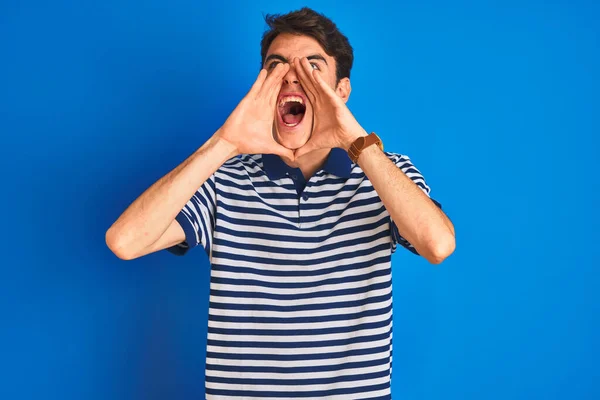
x,y
362,143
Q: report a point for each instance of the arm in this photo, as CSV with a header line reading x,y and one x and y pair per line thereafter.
x,y
417,218
148,224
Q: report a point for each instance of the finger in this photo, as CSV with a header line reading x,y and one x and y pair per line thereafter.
x,y
274,93
321,83
305,79
273,79
276,86
262,75
308,69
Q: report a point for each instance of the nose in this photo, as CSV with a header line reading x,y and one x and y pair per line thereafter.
x,y
291,78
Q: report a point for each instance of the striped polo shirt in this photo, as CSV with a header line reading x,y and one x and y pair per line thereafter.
x,y
301,285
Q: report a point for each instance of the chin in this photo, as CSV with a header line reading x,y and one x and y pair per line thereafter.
x,y
292,142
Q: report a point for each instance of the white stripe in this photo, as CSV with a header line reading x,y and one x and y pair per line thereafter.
x,y
304,325
300,302
301,338
293,231
292,291
250,211
300,388
311,256
377,393
307,313
327,240
299,363
269,196
348,261
297,376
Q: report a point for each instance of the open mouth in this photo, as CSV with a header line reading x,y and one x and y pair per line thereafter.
x,y
291,110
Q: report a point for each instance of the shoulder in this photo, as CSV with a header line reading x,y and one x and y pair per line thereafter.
x,y
397,158
243,161
244,164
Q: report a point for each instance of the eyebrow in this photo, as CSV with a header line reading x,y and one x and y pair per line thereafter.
x,y
285,60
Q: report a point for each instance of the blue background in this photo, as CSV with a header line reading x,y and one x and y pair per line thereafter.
x,y
497,103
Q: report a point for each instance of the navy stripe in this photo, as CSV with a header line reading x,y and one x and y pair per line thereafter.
x,y
255,197
301,332
316,393
305,206
290,250
291,356
299,320
295,262
210,203
299,296
249,188
286,242
294,345
298,370
242,223
299,285
307,307
306,239
299,382
301,273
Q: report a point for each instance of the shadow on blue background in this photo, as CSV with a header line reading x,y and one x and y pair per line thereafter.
x,y
496,104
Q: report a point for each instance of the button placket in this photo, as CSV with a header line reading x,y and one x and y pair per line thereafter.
x,y
304,198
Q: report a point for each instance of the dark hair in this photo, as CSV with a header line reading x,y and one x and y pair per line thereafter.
x,y
310,23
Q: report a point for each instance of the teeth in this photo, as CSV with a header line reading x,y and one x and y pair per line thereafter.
x,y
287,99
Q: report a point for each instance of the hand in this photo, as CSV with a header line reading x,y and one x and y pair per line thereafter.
x,y
250,126
334,125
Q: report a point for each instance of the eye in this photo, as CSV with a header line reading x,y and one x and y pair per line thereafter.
x,y
272,65
315,66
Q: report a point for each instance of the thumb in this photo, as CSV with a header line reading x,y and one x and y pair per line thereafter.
x,y
281,151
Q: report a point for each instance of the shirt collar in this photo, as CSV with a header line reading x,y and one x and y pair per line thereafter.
x,y
338,163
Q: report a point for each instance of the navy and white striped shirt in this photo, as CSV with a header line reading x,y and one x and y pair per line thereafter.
x,y
301,285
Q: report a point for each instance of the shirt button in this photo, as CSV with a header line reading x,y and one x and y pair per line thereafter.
x,y
304,197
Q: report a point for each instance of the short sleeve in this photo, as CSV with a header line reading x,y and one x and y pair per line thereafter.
x,y
404,163
197,218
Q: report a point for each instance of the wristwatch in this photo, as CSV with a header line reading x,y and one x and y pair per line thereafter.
x,y
362,143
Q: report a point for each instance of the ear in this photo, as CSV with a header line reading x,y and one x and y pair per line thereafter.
x,y
343,89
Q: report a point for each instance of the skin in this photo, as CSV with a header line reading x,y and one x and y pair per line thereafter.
x,y
417,218
149,224
288,47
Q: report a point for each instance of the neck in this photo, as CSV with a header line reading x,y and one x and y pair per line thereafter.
x,y
310,163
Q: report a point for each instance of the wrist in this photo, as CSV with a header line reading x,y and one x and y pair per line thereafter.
x,y
219,140
363,143
352,138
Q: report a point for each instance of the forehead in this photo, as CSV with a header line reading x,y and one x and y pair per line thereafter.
x,y
290,46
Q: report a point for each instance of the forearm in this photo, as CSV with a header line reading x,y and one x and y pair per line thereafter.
x,y
149,216
417,218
